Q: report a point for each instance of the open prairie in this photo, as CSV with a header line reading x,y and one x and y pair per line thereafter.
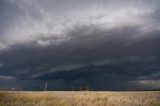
x,y
80,98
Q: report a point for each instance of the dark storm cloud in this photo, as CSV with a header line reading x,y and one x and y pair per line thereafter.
x,y
119,48
86,57
9,82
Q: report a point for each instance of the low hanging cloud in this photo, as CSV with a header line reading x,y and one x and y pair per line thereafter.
x,y
82,45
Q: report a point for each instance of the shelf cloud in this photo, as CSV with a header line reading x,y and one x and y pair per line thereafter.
x,y
78,43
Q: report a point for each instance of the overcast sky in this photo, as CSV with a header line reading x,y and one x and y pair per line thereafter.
x,y
105,44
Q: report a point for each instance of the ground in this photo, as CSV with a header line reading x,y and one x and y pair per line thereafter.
x,y
77,98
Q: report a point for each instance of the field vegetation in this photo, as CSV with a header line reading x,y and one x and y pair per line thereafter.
x,y
83,98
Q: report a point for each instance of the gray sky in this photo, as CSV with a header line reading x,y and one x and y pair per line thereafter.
x,y
80,42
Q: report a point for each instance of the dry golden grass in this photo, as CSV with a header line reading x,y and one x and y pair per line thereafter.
x,y
80,98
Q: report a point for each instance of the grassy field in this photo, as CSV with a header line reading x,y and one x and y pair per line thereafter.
x,y
86,98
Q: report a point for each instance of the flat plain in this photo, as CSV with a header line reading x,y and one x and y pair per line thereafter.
x,y
79,98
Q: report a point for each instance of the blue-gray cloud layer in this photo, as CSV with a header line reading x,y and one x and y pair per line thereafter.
x,y
88,43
